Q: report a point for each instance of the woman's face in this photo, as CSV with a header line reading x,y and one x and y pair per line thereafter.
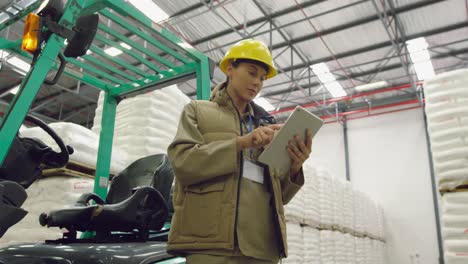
x,y
246,80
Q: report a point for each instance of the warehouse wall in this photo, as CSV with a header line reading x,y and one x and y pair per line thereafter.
x,y
328,150
389,161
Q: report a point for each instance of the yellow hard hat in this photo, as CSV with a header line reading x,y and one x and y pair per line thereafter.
x,y
253,50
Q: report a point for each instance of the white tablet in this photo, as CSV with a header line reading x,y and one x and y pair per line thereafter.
x,y
276,155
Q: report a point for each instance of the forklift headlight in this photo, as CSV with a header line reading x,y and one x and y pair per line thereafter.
x,y
32,34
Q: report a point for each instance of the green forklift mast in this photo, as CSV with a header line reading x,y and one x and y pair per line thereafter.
x,y
167,57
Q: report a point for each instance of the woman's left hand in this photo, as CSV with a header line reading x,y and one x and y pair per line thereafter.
x,y
299,152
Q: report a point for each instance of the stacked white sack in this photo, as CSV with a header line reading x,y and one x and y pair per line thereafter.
x,y
45,195
339,248
358,212
84,142
146,124
325,198
295,244
327,247
447,115
360,250
311,245
380,222
311,197
294,210
338,203
370,217
378,251
453,258
348,205
455,226
371,251
382,252
349,249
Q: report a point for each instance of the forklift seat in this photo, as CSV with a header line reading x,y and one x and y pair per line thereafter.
x,y
137,200
12,197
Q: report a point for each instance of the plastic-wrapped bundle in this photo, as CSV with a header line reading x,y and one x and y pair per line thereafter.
x,y
295,244
83,141
455,221
327,246
454,225
375,252
338,210
339,248
128,123
142,107
170,99
381,253
455,258
360,250
311,245
367,213
174,92
294,210
371,217
454,210
369,255
447,114
161,133
455,233
380,222
311,197
359,212
348,205
349,249
455,198
457,246
146,124
325,198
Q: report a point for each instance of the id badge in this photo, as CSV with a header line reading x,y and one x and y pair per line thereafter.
x,y
253,171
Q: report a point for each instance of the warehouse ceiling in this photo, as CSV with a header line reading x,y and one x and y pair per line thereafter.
x,y
360,41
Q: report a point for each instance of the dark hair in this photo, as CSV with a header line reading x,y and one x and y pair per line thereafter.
x,y
236,63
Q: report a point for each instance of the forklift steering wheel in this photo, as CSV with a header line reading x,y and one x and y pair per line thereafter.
x,y
53,159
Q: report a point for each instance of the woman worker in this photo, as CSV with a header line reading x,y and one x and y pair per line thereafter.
x,y
227,208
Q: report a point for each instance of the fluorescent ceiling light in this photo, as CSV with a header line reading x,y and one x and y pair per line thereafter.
x,y
112,51
15,90
370,86
323,73
150,9
125,45
3,17
261,101
424,70
421,58
20,64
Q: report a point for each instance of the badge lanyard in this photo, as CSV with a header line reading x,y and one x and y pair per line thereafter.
x,y
250,131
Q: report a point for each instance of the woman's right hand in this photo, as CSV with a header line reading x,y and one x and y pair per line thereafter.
x,y
259,137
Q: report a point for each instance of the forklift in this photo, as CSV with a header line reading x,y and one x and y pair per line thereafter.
x,y
69,37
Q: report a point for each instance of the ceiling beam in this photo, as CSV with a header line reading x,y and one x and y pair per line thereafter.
x,y
363,105
331,30
383,44
364,73
255,22
41,116
373,47
189,9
